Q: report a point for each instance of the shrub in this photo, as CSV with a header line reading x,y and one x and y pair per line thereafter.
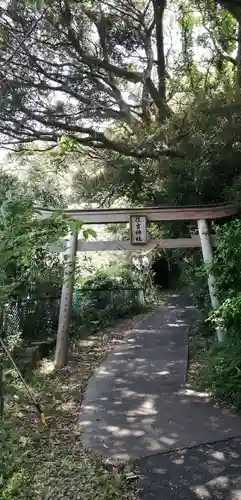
x,y
115,276
227,262
222,370
112,292
193,275
228,316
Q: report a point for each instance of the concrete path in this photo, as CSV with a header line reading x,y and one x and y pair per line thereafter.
x,y
136,405
206,472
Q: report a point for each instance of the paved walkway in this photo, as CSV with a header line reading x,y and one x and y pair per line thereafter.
x,y
136,405
205,472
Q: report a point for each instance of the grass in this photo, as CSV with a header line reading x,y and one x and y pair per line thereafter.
x,y
216,369
49,463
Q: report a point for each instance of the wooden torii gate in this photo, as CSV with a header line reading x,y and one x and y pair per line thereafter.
x,y
138,219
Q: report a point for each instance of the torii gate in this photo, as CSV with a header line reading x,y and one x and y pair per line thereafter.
x,y
138,219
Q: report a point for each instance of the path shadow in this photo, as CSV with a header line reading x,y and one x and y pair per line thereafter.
x,y
204,472
137,403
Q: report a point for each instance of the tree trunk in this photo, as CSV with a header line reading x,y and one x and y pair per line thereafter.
x,y
159,9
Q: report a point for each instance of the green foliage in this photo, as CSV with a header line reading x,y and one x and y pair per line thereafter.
x,y
31,319
227,263
222,372
194,275
201,130
222,365
66,144
206,132
25,239
226,267
187,22
112,277
50,462
227,270
228,315
111,292
92,90
28,268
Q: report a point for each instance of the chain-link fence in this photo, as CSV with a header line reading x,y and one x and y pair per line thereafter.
x,y
31,319
37,318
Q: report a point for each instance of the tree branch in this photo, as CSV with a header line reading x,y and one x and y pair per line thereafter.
x,y
96,62
159,9
123,106
146,112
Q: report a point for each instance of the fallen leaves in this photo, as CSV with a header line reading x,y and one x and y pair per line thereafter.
x,y
50,463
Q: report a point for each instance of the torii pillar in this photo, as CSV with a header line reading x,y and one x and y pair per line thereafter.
x,y
207,252
61,352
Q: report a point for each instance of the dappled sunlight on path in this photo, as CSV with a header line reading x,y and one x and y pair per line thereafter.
x,y
137,403
205,472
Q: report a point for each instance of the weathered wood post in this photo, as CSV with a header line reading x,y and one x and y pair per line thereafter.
x,y
1,364
61,353
207,252
1,386
141,297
